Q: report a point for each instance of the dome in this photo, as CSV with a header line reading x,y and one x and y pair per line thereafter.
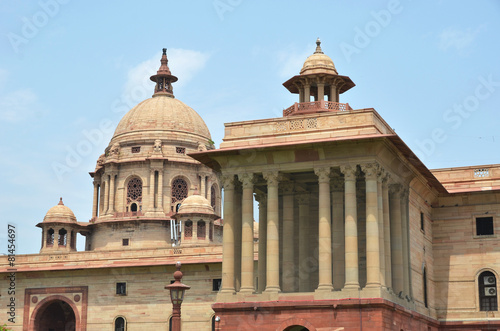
x,y
196,204
318,63
159,115
60,213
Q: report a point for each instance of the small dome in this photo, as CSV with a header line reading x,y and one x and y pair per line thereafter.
x,y
196,204
158,116
319,62
60,213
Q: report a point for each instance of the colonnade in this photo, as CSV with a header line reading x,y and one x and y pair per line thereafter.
x,y
283,267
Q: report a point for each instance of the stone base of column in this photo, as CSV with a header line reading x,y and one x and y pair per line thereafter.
x,y
272,289
324,288
373,285
247,290
350,287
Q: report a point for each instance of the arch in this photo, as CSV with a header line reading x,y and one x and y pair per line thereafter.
x,y
188,229
213,196
120,323
41,308
179,189
296,324
201,229
63,237
133,186
50,237
487,291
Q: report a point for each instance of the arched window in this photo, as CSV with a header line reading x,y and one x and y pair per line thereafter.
x,y
487,291
201,230
424,281
120,324
188,229
210,231
213,198
134,194
50,237
63,236
179,190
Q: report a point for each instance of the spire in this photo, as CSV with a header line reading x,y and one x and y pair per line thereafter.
x,y
318,47
60,202
164,78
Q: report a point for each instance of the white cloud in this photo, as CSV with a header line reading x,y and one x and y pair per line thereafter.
x,y
291,61
183,63
460,40
18,105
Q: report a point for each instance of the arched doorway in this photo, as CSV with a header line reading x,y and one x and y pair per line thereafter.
x,y
296,328
55,315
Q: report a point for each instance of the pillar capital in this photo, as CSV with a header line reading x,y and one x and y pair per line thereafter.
x,y
227,182
272,177
323,174
349,171
247,179
336,184
287,187
395,188
371,170
261,198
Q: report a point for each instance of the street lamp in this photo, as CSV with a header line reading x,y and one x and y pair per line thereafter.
x,y
177,290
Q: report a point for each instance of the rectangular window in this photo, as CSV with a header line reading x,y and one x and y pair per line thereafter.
x,y
136,149
422,222
121,288
484,226
216,284
125,241
180,150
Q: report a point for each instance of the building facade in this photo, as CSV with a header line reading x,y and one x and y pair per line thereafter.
x,y
354,232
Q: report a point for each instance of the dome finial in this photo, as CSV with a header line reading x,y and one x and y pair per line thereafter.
x,y
164,78
318,47
60,202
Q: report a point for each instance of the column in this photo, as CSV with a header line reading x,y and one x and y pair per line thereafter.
x,y
321,91
333,93
247,284
380,221
387,232
228,235
203,191
209,189
307,93
160,190
304,272
112,192
237,233
288,280
102,189
325,230
404,239
301,94
396,239
262,199
152,202
351,228
95,199
273,244
106,193
372,239
338,237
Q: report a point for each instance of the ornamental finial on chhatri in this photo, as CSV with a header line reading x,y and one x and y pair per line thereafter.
x,y
318,47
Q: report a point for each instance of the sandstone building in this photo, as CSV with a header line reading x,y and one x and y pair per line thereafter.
x,y
354,232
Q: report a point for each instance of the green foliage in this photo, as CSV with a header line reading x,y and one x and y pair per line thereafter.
x,y
4,328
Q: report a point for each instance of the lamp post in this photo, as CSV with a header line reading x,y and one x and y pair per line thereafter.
x,y
177,290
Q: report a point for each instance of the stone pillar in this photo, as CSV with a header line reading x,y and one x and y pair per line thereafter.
x,y
160,190
102,189
152,190
333,93
396,239
387,232
106,194
273,244
262,199
301,94
112,190
321,91
95,199
237,233
247,284
338,236
203,191
380,221
351,228
372,237
288,279
228,236
404,239
325,230
304,272
209,190
307,93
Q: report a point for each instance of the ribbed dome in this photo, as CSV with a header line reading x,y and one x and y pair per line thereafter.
x,y
196,204
318,63
157,115
60,213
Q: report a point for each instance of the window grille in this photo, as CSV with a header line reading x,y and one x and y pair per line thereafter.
x,y
134,190
179,190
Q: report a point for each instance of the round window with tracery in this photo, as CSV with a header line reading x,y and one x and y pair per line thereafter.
x,y
134,190
179,190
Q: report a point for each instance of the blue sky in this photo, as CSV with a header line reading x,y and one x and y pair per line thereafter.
x,y
69,70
